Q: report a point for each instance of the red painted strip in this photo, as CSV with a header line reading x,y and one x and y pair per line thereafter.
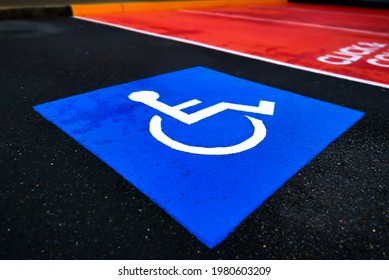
x,y
343,41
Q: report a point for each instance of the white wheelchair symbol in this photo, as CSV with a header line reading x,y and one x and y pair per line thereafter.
x,y
150,98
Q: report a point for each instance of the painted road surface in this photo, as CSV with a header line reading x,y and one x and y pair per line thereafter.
x,y
206,186
63,198
345,42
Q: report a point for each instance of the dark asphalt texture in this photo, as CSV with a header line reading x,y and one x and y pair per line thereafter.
x,y
58,201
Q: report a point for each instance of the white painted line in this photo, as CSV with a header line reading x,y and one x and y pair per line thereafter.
x,y
317,11
238,53
234,16
187,104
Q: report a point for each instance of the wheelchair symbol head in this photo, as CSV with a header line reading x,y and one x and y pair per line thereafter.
x,y
143,95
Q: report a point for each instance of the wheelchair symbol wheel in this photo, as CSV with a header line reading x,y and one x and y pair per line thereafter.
x,y
258,135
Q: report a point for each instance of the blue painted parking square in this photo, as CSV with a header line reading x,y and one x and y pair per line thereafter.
x,y
207,147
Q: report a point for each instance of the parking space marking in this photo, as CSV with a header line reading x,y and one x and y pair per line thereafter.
x,y
259,19
210,193
277,38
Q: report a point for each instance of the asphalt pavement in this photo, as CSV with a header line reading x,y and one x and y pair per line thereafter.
x,y
59,201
